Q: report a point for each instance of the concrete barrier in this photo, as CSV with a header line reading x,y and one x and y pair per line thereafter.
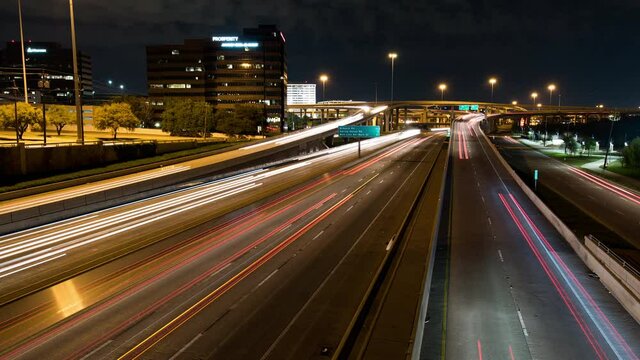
x,y
613,283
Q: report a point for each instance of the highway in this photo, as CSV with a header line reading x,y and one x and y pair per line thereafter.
x,y
56,251
614,206
30,201
515,289
249,271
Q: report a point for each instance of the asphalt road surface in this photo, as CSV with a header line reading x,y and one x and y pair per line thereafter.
x,y
614,206
515,289
238,286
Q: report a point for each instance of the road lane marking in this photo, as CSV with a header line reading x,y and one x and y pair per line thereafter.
x,y
96,350
317,236
500,254
381,181
489,220
175,356
267,278
350,207
511,353
482,198
368,192
479,350
285,228
524,328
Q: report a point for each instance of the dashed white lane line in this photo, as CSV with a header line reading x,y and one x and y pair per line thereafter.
x,y
368,192
343,190
89,355
350,207
482,198
381,181
175,356
500,255
524,328
267,278
317,236
489,220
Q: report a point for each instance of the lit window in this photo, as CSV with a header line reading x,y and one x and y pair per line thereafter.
x,y
156,86
220,57
229,66
178,86
175,52
197,78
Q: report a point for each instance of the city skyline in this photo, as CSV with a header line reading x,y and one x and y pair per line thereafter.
x,y
587,51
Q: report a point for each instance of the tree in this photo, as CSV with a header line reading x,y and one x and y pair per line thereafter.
x,y
589,145
631,154
60,116
114,116
186,117
242,120
27,115
571,145
141,108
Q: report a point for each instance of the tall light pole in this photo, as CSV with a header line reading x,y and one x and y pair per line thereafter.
x,y
534,96
393,57
324,79
76,77
613,118
24,63
492,81
442,88
551,88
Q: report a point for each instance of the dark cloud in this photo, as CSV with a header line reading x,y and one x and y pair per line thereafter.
x,y
589,48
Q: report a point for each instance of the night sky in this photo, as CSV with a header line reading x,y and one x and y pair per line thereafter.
x,y
589,49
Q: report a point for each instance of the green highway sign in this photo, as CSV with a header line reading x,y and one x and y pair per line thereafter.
x,y
354,131
468,107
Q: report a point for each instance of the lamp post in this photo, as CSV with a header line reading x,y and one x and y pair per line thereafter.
x,y
76,77
492,81
551,88
514,102
393,57
442,88
44,84
613,118
324,79
24,64
534,95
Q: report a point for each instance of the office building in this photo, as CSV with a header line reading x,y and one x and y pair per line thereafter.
x,y
223,70
299,94
46,60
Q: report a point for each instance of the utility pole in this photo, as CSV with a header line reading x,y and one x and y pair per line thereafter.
x,y
43,84
76,78
24,63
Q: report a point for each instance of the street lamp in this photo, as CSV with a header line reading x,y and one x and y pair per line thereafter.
x,y
393,57
324,79
514,102
76,77
613,118
534,95
442,88
110,82
600,106
551,88
492,81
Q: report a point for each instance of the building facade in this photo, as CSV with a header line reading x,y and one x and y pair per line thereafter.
x,y
300,94
224,71
46,61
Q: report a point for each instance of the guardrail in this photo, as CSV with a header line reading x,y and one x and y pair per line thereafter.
x,y
622,262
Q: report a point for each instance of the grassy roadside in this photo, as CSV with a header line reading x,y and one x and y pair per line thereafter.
x,y
617,168
573,160
113,167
